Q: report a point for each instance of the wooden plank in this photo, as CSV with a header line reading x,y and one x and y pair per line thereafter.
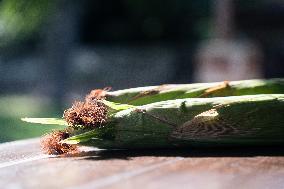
x,y
22,165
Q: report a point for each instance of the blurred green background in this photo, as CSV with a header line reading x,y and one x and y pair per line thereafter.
x,y
53,52
14,107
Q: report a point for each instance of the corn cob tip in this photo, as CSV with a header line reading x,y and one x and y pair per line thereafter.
x,y
51,144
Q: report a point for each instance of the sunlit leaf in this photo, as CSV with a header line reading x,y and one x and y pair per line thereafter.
x,y
47,121
117,106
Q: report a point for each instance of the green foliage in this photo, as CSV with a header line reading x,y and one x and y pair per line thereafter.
x,y
22,19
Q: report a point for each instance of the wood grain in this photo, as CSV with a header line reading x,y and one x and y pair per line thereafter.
x,y
22,165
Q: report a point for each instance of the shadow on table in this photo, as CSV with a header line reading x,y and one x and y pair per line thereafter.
x,y
193,152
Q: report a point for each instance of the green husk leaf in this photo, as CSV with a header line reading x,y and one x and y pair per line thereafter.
x,y
46,121
146,95
93,134
117,106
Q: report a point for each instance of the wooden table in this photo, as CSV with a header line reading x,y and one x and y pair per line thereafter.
x,y
22,165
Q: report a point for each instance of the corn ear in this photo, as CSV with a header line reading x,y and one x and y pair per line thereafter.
x,y
221,121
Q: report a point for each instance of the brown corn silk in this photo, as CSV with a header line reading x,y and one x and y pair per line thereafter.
x,y
51,143
88,114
